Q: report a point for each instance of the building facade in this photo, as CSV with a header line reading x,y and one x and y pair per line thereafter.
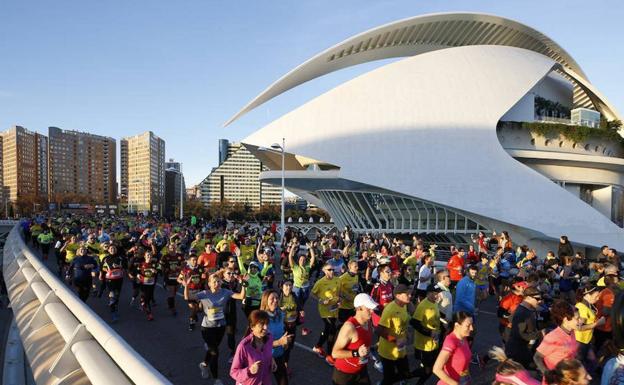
x,y
143,172
82,167
467,132
235,180
175,188
25,164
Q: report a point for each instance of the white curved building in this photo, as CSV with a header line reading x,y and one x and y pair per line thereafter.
x,y
434,143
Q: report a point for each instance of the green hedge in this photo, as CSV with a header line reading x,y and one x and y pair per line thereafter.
x,y
577,134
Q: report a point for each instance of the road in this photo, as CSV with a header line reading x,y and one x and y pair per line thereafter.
x,y
176,352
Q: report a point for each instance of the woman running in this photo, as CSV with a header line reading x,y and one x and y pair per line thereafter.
x,y
277,327
213,301
453,363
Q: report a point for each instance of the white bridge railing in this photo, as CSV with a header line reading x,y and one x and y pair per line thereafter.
x,y
92,352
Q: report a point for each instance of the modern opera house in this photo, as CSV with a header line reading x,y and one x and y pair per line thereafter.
x,y
483,124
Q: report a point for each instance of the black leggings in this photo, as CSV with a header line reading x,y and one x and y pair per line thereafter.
x,y
147,296
340,378
291,328
83,288
395,370
213,337
281,375
230,330
328,334
114,290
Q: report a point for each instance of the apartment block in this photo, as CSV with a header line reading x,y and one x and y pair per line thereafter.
x,y
236,179
82,167
25,164
143,172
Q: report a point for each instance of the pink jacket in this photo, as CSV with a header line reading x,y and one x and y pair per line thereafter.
x,y
245,356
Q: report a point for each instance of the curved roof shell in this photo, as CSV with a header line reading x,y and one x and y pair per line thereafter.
x,y
420,34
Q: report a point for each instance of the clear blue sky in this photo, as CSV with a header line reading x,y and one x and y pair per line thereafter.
x,y
182,68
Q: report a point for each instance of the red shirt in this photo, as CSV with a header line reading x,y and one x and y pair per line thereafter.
x,y
606,299
356,364
382,294
455,266
196,275
473,257
208,261
509,303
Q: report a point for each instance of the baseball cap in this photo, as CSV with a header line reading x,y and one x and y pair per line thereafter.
x,y
365,300
400,289
433,287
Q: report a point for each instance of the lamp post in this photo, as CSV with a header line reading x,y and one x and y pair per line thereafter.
x,y
181,194
276,147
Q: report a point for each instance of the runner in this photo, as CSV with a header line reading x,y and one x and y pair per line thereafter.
x,y
147,275
353,343
112,271
426,324
349,289
81,271
327,291
453,363
171,265
392,331
193,278
301,277
270,304
231,282
213,301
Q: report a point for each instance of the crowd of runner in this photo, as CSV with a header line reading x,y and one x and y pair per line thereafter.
x,y
380,298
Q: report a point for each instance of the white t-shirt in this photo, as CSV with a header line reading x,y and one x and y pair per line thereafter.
x,y
425,272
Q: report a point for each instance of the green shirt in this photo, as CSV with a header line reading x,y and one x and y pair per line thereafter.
x,y
301,275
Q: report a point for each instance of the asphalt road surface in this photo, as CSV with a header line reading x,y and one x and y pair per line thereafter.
x,y
176,352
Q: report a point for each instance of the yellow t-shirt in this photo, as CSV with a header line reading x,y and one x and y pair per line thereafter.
x,y
327,289
70,252
588,314
428,314
396,319
247,253
289,307
349,288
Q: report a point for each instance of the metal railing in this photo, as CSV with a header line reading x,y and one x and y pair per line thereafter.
x,y
90,344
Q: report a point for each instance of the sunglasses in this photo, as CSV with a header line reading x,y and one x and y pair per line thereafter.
x,y
231,261
537,297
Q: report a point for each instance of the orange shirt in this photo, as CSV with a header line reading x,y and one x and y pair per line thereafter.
x,y
606,299
208,261
455,267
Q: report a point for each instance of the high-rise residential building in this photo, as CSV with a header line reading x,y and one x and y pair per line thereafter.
x,y
236,179
174,186
25,164
82,167
143,172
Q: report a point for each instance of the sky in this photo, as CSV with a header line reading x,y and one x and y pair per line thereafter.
x,y
183,68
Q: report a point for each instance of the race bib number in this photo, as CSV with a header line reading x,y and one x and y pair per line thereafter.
x,y
215,313
114,274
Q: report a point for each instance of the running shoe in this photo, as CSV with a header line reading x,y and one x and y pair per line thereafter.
x,y
305,331
319,351
115,316
150,317
205,372
378,365
330,360
218,382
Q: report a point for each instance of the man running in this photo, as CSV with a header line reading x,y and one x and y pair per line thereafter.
x,y
353,344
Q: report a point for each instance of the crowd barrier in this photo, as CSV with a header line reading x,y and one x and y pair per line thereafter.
x,y
64,340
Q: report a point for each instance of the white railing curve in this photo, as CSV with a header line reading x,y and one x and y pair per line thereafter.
x,y
90,344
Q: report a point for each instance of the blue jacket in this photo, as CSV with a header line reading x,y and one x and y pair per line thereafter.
x,y
465,296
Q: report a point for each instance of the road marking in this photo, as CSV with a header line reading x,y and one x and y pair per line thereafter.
x,y
304,347
486,312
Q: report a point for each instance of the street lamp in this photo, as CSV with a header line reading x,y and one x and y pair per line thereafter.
x,y
276,147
